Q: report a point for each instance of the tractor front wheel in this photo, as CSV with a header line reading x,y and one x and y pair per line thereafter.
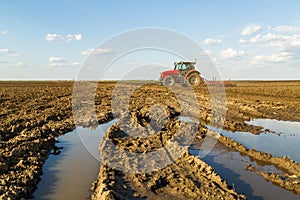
x,y
169,81
194,79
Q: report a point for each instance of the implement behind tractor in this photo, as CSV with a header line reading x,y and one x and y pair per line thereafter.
x,y
220,83
185,73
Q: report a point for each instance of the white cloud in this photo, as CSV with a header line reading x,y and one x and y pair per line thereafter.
x,y
76,64
50,37
211,41
288,46
97,51
214,60
295,43
77,36
12,63
56,59
250,30
231,54
3,32
61,62
8,52
281,42
57,64
257,39
275,58
5,51
53,37
242,41
267,38
287,29
19,64
205,53
14,55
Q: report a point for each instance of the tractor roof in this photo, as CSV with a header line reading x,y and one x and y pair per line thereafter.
x,y
185,62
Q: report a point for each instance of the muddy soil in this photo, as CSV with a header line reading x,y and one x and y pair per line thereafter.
x,y
186,178
263,99
34,114
131,173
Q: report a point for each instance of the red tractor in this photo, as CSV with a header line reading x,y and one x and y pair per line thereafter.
x,y
183,72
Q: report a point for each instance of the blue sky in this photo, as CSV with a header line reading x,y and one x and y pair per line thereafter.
x,y
244,39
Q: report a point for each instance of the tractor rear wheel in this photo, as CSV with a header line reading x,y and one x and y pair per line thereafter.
x,y
169,81
194,79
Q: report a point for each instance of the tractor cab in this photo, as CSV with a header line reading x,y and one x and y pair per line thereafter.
x,y
184,66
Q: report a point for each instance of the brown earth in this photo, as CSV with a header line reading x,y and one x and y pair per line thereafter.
x,y
34,114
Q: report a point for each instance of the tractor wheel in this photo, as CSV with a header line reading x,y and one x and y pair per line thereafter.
x,y
169,81
194,79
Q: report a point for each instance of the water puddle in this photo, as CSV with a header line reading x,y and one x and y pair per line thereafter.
x,y
282,138
231,167
69,175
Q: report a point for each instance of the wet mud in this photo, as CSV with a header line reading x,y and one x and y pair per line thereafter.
x,y
34,114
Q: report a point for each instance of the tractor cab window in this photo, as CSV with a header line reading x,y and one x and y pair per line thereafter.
x,y
190,66
181,66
